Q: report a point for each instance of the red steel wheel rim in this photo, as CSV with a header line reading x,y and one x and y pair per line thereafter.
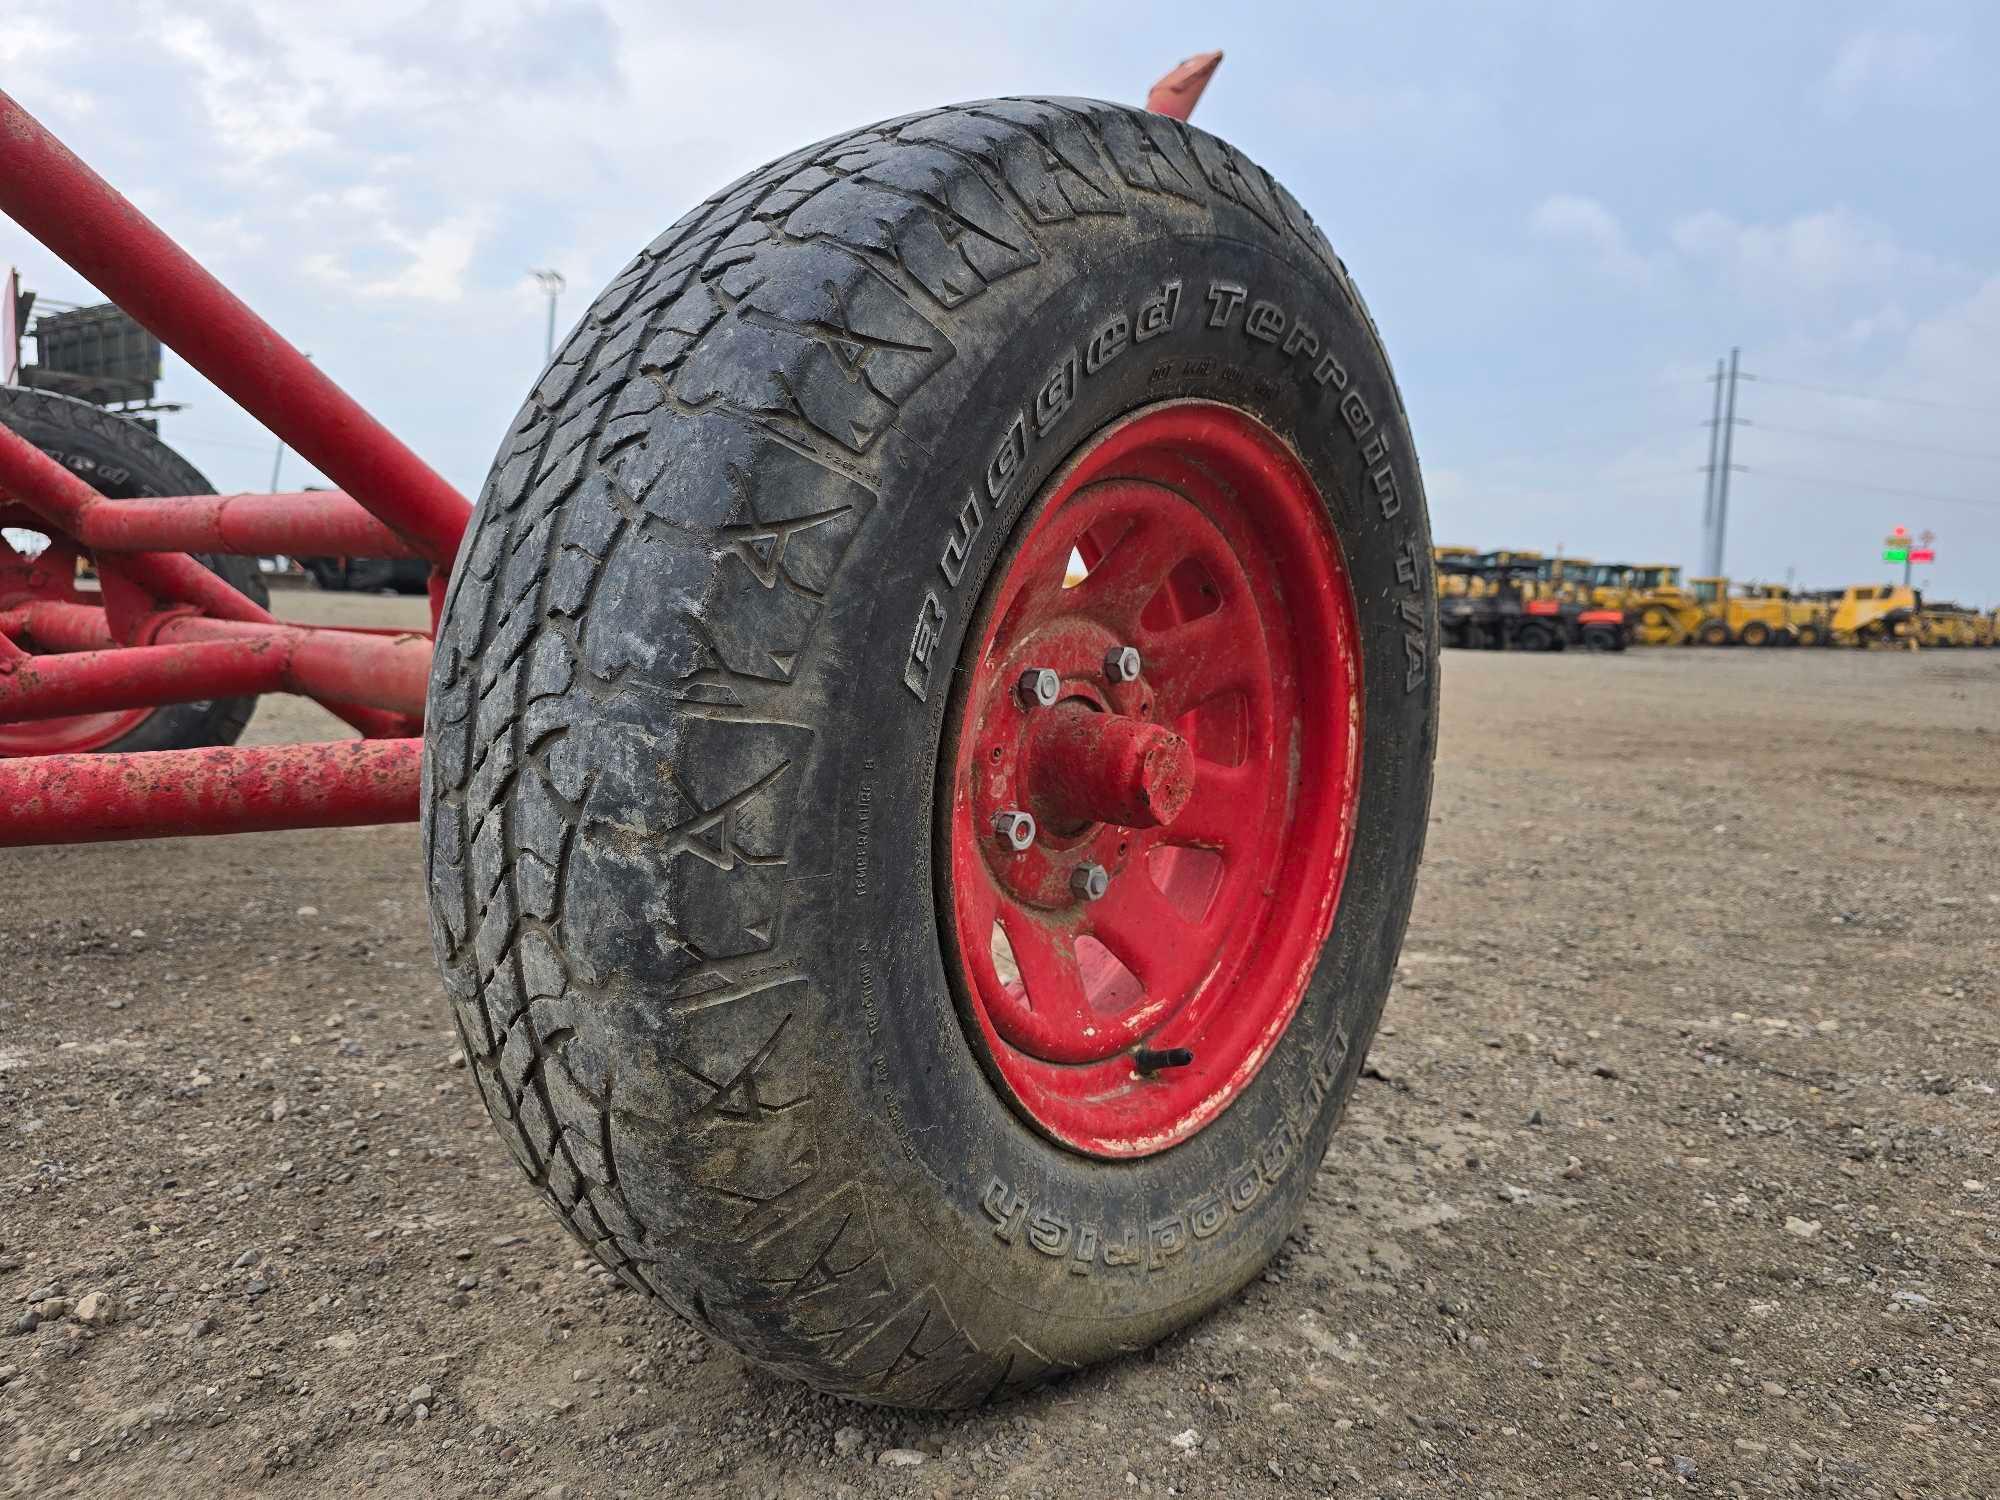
x,y
1217,790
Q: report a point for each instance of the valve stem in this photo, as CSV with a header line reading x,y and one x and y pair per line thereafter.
x,y
1149,1062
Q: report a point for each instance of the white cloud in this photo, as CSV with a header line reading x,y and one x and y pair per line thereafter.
x,y
30,38
258,112
1572,219
1814,252
1883,57
434,267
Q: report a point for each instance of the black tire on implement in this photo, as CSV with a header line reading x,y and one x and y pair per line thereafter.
x,y
678,814
122,461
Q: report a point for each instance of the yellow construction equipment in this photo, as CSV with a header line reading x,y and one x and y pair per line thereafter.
x,y
1452,584
1946,624
1868,614
1662,612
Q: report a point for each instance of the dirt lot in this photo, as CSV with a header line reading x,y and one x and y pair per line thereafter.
x,y
1674,1171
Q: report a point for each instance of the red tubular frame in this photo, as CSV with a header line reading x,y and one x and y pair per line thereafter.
x,y
203,659
79,799
50,193
310,523
169,630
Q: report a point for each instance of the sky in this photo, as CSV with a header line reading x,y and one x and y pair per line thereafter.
x,y
1562,213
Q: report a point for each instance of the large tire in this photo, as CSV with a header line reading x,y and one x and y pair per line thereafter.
x,y
1713,633
1602,638
699,668
122,461
1756,633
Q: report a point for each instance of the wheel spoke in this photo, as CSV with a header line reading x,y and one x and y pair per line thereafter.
x,y
1046,958
1132,571
1222,809
1190,663
1138,924
978,909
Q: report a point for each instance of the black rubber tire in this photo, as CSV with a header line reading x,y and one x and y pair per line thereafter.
x,y
1535,636
1756,634
682,737
122,460
1602,638
1713,633
1811,635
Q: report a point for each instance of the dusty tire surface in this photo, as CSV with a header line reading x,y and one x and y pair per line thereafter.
x,y
122,460
685,720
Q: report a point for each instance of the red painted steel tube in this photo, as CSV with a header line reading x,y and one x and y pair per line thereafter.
x,y
1177,94
80,799
88,682
60,497
342,666
53,492
50,193
54,625
203,659
309,523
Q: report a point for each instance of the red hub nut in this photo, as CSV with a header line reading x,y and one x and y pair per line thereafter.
x,y
1085,766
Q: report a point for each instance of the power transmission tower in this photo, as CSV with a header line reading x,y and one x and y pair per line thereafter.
x,y
1718,535
1708,494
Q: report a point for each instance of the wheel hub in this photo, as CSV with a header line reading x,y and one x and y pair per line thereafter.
x,y
1151,787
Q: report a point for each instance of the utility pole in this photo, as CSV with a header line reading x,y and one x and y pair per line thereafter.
x,y
1718,539
552,284
1708,495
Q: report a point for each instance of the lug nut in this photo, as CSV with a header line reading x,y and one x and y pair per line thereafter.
x,y
1121,664
1015,829
1039,687
1090,882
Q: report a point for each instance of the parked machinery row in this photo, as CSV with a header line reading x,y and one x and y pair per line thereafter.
x,y
1504,601
1527,601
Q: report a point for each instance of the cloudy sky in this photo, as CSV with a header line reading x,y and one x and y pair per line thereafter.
x,y
1562,212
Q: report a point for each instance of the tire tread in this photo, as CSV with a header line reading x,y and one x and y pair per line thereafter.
x,y
787,319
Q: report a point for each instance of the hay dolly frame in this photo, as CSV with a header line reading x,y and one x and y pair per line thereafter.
x,y
170,631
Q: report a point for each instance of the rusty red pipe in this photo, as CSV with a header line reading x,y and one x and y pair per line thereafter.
x,y
55,625
310,523
78,799
84,682
203,659
1177,94
63,499
56,198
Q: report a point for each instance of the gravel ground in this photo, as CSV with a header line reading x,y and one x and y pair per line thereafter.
x,y
1673,1172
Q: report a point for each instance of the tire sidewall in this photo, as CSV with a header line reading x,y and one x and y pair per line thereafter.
x,y
1032,1230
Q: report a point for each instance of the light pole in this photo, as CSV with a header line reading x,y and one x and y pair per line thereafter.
x,y
552,284
278,458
